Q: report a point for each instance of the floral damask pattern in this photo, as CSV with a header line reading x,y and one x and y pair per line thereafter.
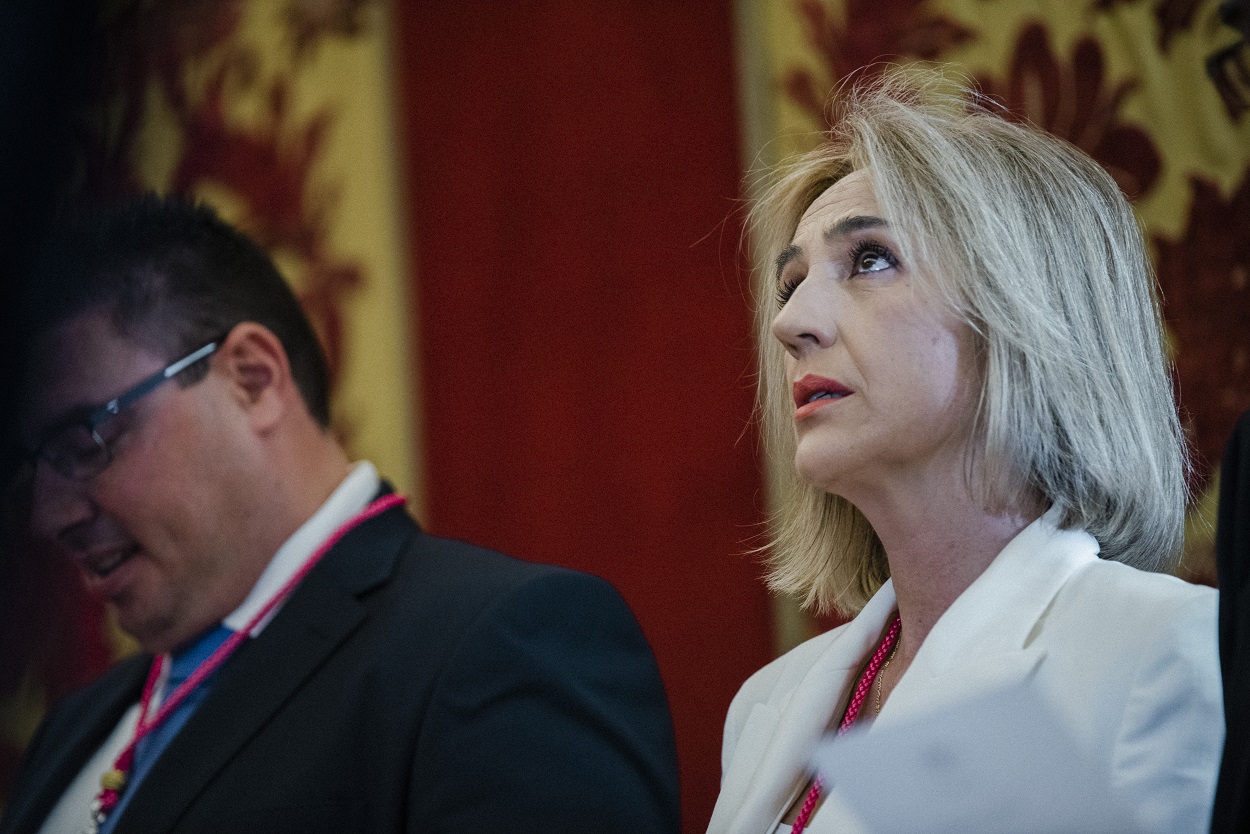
x,y
1072,100
1173,16
1205,277
1075,102
311,22
169,47
900,28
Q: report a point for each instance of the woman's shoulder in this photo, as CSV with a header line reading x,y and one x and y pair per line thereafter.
x,y
773,683
1136,592
1141,619
1133,661
769,690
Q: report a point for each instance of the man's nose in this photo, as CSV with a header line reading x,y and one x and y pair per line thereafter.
x,y
59,503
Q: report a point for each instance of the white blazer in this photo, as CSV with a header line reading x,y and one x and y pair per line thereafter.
x,y
1128,659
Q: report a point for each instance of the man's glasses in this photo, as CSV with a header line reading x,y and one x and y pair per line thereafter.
x,y
75,449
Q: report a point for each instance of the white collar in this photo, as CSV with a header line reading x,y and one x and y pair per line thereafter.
x,y
977,644
351,496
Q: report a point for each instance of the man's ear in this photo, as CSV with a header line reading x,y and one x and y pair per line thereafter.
x,y
258,373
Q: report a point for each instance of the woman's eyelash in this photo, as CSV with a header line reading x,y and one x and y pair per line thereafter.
x,y
786,289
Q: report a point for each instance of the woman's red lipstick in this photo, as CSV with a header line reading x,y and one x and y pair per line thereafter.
x,y
814,392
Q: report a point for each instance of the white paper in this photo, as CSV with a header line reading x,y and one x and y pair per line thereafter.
x,y
1000,762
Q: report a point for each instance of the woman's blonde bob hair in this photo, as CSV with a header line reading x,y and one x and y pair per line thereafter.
x,y
1033,245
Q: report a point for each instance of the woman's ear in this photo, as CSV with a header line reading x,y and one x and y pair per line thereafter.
x,y
258,373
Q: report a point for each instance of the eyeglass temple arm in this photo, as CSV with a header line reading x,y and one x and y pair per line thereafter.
x,y
116,404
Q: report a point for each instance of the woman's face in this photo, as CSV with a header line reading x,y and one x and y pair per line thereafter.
x,y
883,379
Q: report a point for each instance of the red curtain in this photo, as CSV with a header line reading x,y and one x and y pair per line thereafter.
x,y
582,320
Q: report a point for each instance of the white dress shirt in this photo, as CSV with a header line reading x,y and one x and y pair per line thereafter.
x,y
352,495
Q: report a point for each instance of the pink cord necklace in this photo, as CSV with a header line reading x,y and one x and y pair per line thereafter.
x,y
852,712
113,782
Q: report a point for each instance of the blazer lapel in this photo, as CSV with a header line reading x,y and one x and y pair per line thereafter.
x,y
982,641
89,719
321,613
771,758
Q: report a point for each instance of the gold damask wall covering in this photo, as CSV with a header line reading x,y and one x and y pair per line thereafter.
x,y
1124,80
279,114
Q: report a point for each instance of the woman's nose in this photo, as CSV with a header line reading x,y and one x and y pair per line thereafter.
x,y
806,321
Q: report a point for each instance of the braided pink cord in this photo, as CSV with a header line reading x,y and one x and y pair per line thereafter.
x,y
107,798
852,712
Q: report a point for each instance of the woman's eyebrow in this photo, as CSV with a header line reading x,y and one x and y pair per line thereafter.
x,y
845,226
855,223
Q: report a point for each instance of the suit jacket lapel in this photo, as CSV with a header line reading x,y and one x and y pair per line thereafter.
x,y
321,613
982,641
88,718
771,757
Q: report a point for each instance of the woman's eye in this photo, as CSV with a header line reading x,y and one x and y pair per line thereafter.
x,y
872,262
872,257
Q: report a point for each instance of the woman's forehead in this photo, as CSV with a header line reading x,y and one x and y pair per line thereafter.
x,y
851,196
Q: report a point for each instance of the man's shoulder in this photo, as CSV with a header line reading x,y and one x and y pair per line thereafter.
x,y
93,708
457,582
459,561
393,549
123,677
463,610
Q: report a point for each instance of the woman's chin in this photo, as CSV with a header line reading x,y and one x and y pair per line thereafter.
x,y
820,473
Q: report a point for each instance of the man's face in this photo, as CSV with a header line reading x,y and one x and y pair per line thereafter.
x,y
151,533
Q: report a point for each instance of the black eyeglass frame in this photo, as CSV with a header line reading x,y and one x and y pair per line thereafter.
x,y
57,447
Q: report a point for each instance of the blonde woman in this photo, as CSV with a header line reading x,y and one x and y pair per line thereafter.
x,y
961,353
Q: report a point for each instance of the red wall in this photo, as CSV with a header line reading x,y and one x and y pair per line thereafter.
x,y
582,319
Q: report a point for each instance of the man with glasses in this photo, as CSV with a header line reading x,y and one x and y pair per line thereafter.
x,y
311,660
75,448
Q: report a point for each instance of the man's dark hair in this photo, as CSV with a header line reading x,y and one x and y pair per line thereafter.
x,y
173,276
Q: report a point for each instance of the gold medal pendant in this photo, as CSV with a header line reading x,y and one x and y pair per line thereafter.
x,y
113,780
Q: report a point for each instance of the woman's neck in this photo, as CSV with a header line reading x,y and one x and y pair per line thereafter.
x,y
936,549
930,575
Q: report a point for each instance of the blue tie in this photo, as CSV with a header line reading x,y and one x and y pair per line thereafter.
x,y
150,747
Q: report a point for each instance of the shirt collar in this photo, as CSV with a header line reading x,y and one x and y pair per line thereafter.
x,y
351,496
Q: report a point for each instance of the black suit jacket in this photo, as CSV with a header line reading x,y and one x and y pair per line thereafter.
x,y
1232,556
410,683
